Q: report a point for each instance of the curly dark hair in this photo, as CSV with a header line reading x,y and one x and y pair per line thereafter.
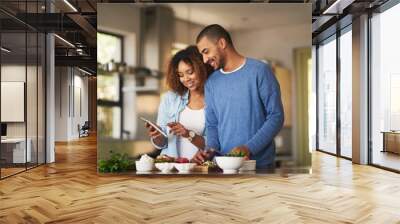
x,y
192,57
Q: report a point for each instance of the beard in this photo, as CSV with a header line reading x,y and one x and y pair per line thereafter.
x,y
222,60
221,63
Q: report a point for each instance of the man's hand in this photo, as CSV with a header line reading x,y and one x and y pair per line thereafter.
x,y
201,156
243,149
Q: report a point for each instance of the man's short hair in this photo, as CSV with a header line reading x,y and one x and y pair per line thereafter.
x,y
215,32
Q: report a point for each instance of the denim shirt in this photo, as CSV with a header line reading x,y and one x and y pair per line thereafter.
x,y
170,108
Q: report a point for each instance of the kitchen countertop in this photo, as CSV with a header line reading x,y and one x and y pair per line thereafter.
x,y
263,172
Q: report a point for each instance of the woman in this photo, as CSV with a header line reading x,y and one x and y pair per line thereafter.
x,y
181,112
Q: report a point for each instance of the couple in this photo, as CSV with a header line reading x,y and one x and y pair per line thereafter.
x,y
236,108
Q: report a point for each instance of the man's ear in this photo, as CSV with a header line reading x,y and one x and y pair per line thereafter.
x,y
222,43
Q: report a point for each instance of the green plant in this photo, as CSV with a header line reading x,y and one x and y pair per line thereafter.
x,y
116,163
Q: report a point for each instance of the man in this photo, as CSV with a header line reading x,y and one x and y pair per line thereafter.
x,y
244,110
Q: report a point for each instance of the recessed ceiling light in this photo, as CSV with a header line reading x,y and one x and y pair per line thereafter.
x,y
70,5
86,72
5,49
337,7
64,40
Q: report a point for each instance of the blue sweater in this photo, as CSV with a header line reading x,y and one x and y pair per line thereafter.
x,y
244,107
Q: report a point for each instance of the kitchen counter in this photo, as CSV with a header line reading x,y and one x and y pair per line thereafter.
x,y
264,172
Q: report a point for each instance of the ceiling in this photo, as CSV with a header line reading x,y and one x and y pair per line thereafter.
x,y
21,50
333,15
244,16
72,20
38,6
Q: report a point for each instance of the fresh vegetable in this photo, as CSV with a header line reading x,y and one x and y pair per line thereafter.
x,y
209,164
182,160
236,154
116,163
164,159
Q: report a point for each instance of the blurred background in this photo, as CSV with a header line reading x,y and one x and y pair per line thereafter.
x,y
136,41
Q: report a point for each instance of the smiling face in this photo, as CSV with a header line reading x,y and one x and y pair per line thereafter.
x,y
188,77
187,72
212,52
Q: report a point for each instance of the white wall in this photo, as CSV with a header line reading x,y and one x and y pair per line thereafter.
x,y
79,117
61,103
186,32
69,85
17,73
33,127
275,44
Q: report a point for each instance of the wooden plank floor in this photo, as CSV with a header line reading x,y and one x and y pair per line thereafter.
x,y
10,171
70,191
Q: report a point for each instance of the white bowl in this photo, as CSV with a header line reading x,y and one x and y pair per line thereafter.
x,y
185,167
165,167
144,166
229,164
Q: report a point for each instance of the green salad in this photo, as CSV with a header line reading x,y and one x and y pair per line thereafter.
x,y
164,159
236,154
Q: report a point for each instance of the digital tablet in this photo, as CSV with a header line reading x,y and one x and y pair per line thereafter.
x,y
154,126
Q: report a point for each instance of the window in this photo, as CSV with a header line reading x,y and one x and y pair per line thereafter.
x,y
109,95
334,93
327,96
312,99
109,121
385,87
108,88
346,93
111,48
